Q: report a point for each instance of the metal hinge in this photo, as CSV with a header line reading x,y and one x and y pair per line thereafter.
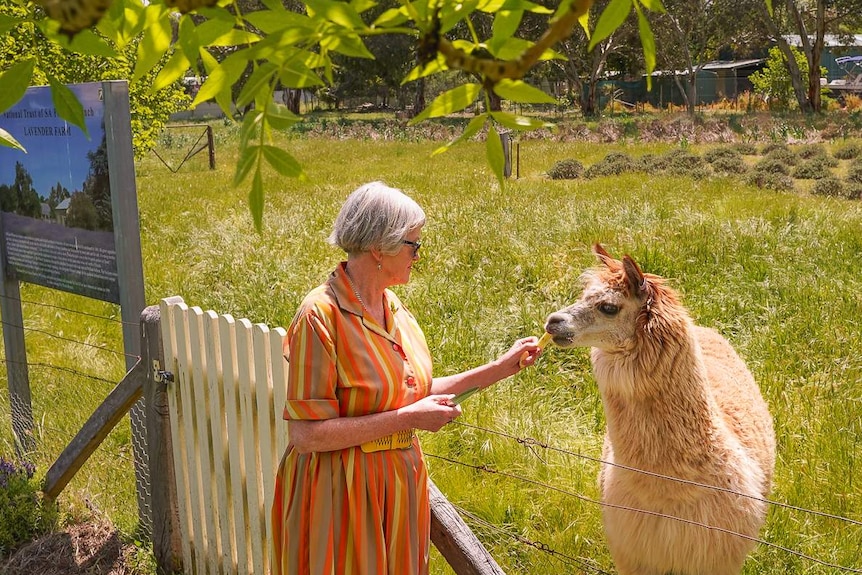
x,y
160,375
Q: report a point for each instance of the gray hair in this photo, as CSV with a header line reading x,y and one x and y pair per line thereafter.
x,y
376,216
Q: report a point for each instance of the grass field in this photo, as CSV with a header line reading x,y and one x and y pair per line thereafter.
x,y
777,272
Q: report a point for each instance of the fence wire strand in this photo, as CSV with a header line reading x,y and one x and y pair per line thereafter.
x,y
538,545
61,308
530,443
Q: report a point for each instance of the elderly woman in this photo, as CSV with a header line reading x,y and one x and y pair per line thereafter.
x,y
352,488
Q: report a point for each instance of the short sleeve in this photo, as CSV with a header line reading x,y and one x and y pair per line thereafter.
x,y
311,372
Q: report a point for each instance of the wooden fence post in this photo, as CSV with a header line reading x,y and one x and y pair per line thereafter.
x,y
167,538
455,541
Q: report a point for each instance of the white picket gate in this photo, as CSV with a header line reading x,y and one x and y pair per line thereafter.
x,y
227,435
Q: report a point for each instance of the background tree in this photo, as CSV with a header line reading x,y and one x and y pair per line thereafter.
x,y
90,58
693,33
82,213
57,195
811,21
97,187
582,68
295,50
27,201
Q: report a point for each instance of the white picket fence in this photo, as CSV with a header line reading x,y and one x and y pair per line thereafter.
x,y
227,434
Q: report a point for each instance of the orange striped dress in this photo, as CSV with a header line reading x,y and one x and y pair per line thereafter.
x,y
347,512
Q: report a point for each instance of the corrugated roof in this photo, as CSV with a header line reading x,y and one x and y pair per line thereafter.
x,y
732,64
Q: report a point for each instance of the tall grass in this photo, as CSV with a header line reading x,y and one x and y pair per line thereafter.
x,y
777,273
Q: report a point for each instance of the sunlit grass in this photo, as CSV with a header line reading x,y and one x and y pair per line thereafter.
x,y
777,273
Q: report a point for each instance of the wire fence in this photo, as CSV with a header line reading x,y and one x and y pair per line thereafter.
x,y
84,376
530,444
63,385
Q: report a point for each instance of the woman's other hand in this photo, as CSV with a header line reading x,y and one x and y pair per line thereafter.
x,y
432,412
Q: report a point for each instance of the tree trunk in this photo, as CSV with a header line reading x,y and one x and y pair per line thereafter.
x,y
292,99
419,102
495,103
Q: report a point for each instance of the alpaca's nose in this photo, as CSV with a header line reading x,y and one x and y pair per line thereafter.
x,y
554,320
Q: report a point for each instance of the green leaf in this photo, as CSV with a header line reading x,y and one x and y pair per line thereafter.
x,y
248,159
234,37
520,123
345,43
280,116
282,162
187,38
656,5
611,19
362,5
648,43
221,78
449,102
494,6
390,18
769,6
85,42
175,68
494,152
15,82
512,48
67,105
340,13
471,130
505,25
296,74
207,32
156,40
7,140
420,71
260,79
453,12
255,199
274,5
8,22
272,22
248,129
520,91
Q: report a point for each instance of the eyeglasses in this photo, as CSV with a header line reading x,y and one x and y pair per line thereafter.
x,y
414,245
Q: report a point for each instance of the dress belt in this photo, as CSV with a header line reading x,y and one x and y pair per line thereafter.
x,y
398,440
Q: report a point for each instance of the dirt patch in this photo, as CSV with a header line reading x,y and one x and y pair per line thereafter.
x,y
85,549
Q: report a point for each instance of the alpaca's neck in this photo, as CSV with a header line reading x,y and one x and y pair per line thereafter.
x,y
657,406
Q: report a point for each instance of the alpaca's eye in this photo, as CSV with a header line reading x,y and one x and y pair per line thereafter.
x,y
609,309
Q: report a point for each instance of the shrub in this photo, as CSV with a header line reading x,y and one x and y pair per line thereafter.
x,y
830,186
24,515
782,154
730,165
613,164
813,169
812,151
854,174
568,169
651,164
684,163
849,151
772,166
852,102
770,180
716,154
745,148
853,190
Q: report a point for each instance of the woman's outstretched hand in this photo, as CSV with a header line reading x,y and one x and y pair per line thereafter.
x,y
432,412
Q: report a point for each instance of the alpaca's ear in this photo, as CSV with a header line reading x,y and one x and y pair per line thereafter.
x,y
604,256
634,275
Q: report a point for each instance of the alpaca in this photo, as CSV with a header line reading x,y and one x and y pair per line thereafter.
x,y
678,402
